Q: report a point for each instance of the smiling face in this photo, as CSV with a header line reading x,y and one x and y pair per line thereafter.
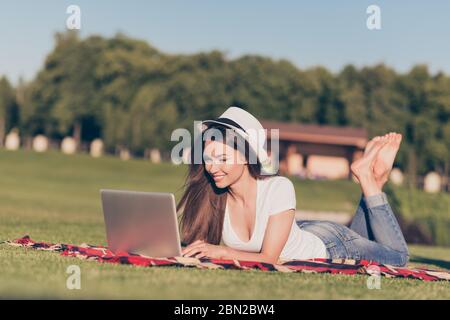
x,y
223,163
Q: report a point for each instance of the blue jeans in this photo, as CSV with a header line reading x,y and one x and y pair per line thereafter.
x,y
374,234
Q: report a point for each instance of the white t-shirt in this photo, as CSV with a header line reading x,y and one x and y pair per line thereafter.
x,y
275,195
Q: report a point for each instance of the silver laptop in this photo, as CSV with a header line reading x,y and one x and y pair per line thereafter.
x,y
141,222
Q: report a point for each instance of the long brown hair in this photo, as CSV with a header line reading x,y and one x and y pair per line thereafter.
x,y
202,202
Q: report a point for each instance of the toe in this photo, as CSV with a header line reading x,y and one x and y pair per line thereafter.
x,y
391,137
379,144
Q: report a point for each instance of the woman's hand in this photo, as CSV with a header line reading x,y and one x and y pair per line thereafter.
x,y
200,249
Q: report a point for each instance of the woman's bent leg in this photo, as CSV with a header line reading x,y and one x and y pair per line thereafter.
x,y
374,251
381,223
342,242
359,222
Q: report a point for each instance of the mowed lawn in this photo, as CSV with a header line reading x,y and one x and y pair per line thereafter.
x,y
54,197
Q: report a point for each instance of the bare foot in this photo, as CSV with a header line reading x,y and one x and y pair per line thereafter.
x,y
364,166
369,147
370,144
386,156
385,159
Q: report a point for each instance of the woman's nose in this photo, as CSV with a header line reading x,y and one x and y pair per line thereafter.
x,y
215,167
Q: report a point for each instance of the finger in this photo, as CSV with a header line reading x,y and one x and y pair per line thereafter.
x,y
199,245
201,255
195,243
192,252
187,251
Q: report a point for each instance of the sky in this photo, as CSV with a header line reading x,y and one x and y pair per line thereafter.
x,y
308,33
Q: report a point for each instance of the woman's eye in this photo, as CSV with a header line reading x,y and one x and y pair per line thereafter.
x,y
215,161
208,160
223,160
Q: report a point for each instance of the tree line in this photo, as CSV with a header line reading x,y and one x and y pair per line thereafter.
x,y
133,96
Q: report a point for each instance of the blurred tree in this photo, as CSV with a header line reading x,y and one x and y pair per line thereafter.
x,y
133,96
64,95
8,108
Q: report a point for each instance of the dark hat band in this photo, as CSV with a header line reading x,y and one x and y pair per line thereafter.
x,y
230,122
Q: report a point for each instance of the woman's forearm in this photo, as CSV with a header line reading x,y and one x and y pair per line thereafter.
x,y
234,254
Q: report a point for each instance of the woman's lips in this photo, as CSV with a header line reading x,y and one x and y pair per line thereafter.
x,y
218,178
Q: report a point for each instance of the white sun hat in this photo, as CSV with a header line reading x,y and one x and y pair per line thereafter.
x,y
248,127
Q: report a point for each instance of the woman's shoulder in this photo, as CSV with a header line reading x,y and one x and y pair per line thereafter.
x,y
278,182
279,192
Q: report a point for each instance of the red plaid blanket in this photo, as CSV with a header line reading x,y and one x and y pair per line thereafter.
x,y
335,266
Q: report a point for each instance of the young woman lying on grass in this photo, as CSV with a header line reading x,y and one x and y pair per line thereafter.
x,y
227,198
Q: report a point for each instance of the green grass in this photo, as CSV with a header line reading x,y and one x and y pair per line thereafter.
x,y
53,197
431,212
